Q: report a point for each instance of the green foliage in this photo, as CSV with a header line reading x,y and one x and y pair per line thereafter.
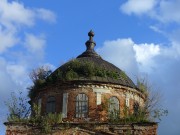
x,y
126,111
138,117
152,108
54,119
40,74
70,75
128,132
19,110
158,113
81,69
114,116
123,75
142,85
39,78
48,121
45,122
75,69
72,70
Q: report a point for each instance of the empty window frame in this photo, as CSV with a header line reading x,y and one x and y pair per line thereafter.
x,y
81,106
51,105
114,110
136,108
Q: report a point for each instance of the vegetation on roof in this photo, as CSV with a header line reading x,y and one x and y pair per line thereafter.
x,y
75,69
72,70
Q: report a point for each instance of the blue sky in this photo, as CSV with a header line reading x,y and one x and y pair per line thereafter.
x,y
140,37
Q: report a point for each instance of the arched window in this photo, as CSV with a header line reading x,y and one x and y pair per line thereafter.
x,y
51,104
114,107
136,108
81,105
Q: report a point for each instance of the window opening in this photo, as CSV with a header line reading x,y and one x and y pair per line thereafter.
x,y
51,105
81,106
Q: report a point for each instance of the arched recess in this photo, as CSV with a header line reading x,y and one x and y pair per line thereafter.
x,y
114,108
81,106
136,108
51,104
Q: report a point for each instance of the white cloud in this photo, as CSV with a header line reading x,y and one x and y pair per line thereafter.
x,y
8,39
50,66
18,73
16,61
161,64
131,56
46,15
165,11
121,53
145,53
157,29
15,12
14,16
7,83
35,44
168,11
138,6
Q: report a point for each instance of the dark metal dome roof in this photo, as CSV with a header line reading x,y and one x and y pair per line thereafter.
x,y
92,57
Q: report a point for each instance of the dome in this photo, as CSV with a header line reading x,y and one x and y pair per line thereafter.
x,y
87,88
90,67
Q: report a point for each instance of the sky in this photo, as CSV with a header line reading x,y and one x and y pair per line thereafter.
x,y
140,37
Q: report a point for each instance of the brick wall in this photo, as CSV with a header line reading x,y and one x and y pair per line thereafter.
x,y
85,129
90,89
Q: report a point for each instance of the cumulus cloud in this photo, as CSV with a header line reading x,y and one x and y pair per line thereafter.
x,y
168,11
14,16
35,44
29,47
161,64
129,56
145,53
8,39
164,11
17,72
46,15
16,13
6,81
138,6
117,51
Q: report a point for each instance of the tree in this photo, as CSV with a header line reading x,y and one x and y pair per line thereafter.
x,y
40,74
38,77
152,108
19,110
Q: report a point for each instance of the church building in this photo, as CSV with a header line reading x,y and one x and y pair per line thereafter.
x,y
89,89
